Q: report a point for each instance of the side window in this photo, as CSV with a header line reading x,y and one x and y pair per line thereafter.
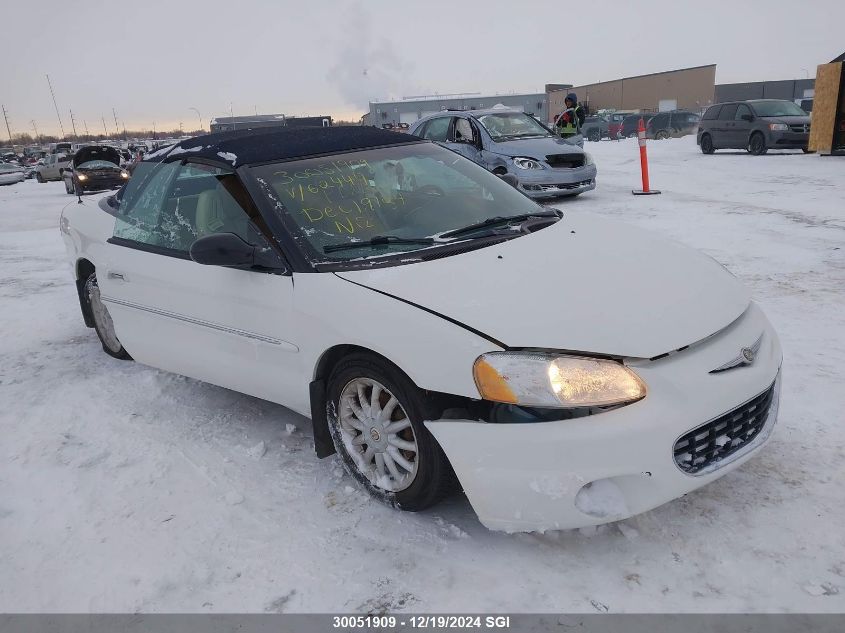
x,y
712,112
437,129
728,112
742,110
142,203
180,203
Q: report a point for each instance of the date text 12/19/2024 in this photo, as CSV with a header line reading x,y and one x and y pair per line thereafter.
x,y
436,622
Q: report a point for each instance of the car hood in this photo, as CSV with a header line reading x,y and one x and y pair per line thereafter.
x,y
584,284
96,152
537,148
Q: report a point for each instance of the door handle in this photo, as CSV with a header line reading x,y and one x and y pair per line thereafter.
x,y
116,275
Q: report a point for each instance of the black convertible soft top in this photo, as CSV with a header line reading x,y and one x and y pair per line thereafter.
x,y
249,146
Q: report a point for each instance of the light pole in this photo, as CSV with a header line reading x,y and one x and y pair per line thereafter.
x,y
199,116
36,131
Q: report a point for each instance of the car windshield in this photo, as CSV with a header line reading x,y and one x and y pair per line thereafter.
x,y
512,125
777,108
96,164
404,192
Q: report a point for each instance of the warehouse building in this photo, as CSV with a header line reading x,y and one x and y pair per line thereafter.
x,y
227,123
682,89
789,89
407,111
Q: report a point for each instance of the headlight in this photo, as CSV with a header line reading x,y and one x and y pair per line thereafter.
x,y
588,159
546,380
527,163
124,174
778,127
81,177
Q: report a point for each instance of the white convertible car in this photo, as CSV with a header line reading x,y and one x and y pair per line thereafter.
x,y
439,328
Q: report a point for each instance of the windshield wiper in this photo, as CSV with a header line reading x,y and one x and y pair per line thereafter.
x,y
501,220
378,240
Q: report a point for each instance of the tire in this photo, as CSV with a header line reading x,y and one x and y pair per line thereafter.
x,y
426,476
102,321
39,177
706,144
594,135
661,135
757,144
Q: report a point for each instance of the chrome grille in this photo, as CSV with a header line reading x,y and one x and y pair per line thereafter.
x,y
714,441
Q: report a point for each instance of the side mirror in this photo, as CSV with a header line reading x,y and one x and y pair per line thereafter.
x,y
232,251
748,117
223,249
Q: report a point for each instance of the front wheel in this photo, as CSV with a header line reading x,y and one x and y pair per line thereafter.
x,y
39,177
103,324
662,135
706,144
757,144
376,418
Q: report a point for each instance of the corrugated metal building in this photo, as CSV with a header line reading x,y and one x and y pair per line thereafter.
x,y
227,123
789,89
685,88
410,110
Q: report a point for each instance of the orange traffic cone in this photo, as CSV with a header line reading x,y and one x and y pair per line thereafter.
x,y
645,191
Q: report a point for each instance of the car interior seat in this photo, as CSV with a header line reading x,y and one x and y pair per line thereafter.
x,y
217,212
463,130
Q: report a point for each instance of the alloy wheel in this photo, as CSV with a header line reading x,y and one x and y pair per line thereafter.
x,y
378,434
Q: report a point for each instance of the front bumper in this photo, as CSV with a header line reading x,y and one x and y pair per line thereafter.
x,y
552,182
97,184
788,139
607,467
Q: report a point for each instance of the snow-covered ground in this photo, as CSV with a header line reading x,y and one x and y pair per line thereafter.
x,y
123,488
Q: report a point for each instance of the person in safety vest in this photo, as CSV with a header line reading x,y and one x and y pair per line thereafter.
x,y
569,121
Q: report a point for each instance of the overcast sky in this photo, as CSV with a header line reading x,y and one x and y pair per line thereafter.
x,y
153,60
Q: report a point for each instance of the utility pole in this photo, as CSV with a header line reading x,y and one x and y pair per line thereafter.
x,y
73,125
36,130
232,114
6,118
116,126
104,125
58,116
85,124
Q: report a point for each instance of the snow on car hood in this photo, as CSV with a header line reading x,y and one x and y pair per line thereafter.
x,y
537,148
585,284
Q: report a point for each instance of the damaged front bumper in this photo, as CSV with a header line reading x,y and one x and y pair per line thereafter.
x,y
552,182
606,467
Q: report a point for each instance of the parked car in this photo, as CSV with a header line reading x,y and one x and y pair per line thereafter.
x,y
417,308
614,124
510,142
631,123
52,167
756,126
672,124
94,168
595,128
11,174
